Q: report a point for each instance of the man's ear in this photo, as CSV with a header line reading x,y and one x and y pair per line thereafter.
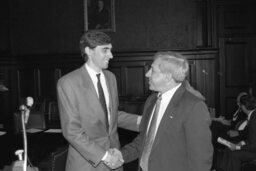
x,y
168,76
87,51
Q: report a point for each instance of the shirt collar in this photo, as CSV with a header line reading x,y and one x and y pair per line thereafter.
x,y
249,115
170,92
91,72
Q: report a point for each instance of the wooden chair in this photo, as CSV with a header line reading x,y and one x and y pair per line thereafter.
x,y
249,166
56,161
36,120
53,111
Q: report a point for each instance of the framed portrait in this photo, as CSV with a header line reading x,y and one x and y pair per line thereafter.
x,y
99,15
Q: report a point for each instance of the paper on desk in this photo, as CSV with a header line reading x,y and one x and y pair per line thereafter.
x,y
224,142
53,131
33,130
2,133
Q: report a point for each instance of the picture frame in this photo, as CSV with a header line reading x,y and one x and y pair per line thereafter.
x,y
99,15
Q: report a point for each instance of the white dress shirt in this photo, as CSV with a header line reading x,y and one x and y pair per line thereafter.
x,y
93,75
166,98
94,78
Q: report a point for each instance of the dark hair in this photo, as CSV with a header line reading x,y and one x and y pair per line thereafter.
x,y
92,39
241,95
248,101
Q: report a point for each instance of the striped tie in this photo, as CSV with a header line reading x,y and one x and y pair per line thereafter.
x,y
150,136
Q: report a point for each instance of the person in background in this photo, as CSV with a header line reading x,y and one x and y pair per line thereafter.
x,y
244,150
88,105
228,128
174,130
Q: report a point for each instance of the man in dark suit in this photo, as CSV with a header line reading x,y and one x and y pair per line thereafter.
x,y
244,150
181,137
88,104
228,128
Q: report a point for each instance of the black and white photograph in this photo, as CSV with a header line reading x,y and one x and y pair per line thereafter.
x,y
127,85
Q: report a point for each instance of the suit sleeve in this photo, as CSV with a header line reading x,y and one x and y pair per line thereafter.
x,y
243,134
251,135
71,125
125,120
128,121
132,150
198,138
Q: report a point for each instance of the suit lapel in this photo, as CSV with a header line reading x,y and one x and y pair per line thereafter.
x,y
170,113
111,99
146,117
148,113
92,97
251,117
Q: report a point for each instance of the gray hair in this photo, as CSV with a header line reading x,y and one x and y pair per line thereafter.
x,y
173,63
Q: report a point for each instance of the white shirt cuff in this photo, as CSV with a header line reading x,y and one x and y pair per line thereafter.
x,y
139,120
242,143
105,156
238,147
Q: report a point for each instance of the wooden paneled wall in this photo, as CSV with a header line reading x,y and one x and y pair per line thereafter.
x,y
37,75
236,37
130,70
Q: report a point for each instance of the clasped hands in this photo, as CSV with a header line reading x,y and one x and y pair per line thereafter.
x,y
236,146
233,146
114,159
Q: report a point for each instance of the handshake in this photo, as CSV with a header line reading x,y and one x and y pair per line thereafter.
x,y
114,159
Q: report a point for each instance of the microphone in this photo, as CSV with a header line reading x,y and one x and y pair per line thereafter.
x,y
29,104
29,101
26,108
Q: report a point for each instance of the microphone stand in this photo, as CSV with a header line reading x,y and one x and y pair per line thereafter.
x,y
25,143
17,165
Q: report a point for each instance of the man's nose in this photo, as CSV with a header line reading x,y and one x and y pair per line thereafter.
x,y
148,73
110,55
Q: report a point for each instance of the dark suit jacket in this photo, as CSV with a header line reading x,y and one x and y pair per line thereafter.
x,y
232,160
183,139
250,132
236,123
82,120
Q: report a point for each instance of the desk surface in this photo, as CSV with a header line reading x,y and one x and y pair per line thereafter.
x,y
2,133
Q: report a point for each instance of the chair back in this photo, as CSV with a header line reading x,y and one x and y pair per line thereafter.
x,y
59,159
36,120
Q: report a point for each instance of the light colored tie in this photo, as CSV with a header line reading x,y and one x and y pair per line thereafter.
x,y
150,136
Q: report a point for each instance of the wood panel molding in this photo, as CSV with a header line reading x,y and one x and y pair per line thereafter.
x,y
37,75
